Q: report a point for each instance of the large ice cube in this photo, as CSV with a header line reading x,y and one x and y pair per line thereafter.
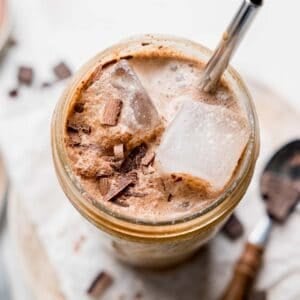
x,y
138,111
205,141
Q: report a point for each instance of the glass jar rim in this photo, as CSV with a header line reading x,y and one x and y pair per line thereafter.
x,y
80,199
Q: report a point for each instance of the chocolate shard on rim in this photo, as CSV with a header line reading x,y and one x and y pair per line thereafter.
x,y
281,195
121,184
133,160
119,151
25,75
111,113
233,228
148,158
62,71
104,185
100,284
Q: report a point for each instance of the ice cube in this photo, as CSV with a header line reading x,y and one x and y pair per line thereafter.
x,y
138,112
204,141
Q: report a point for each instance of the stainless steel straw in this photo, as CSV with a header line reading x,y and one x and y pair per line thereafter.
x,y
230,40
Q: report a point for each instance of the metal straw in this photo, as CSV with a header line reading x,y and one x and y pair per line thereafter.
x,y
229,43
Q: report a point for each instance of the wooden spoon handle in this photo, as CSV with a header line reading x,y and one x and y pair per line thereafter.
x,y
244,273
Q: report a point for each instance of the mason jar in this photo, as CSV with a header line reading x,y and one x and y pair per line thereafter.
x,y
134,240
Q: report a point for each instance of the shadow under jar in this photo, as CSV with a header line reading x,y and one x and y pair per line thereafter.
x,y
137,240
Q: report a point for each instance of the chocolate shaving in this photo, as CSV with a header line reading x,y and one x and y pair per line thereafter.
x,y
119,151
111,112
133,160
79,107
148,158
121,184
233,228
25,75
109,63
281,195
104,185
170,196
77,127
62,71
100,284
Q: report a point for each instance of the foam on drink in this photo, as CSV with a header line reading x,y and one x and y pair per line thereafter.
x,y
173,164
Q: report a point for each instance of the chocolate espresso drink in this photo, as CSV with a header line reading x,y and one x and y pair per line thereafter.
x,y
145,146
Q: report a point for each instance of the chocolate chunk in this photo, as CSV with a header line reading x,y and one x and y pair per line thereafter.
x,y
148,158
281,195
100,284
170,196
119,151
133,160
79,107
121,184
13,93
111,112
62,71
258,295
77,127
25,75
233,228
104,185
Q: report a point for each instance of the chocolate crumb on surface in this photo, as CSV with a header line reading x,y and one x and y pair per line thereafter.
x,y
13,93
111,113
133,160
104,185
62,71
121,184
281,196
233,228
100,284
25,75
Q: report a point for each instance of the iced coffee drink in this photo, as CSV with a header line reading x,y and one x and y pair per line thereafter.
x,y
143,146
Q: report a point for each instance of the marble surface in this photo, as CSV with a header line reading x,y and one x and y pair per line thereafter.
x,y
48,31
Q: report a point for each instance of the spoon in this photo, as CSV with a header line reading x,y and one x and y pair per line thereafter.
x,y
283,172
